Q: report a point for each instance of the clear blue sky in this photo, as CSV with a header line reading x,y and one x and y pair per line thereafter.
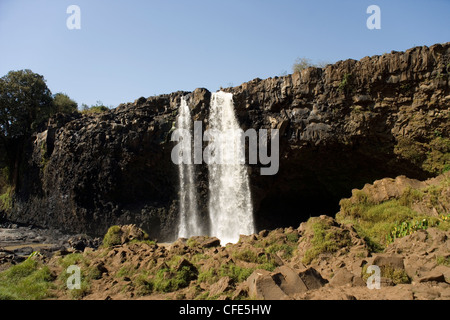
x,y
128,49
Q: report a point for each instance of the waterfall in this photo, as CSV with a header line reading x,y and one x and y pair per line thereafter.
x,y
189,221
230,205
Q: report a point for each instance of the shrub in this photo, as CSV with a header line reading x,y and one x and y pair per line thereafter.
x,y
64,104
97,108
302,64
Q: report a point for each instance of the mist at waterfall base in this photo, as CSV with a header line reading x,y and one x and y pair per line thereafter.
x,y
230,205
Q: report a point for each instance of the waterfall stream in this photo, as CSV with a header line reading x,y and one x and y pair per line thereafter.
x,y
189,222
230,204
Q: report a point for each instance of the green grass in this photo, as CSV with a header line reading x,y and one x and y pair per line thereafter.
x,y
29,280
346,83
264,261
398,276
167,280
196,258
292,237
143,285
286,249
112,237
432,156
325,240
380,223
191,243
209,276
6,198
87,274
125,271
236,273
148,242
246,255
443,261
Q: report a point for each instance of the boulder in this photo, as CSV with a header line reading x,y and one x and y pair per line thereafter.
x,y
81,242
241,291
393,261
433,276
204,241
184,263
312,279
342,278
262,286
220,286
132,232
288,280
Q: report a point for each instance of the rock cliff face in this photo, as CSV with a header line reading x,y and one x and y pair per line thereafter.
x,y
342,126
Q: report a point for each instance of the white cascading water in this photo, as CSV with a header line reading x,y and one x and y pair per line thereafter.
x,y
189,221
230,204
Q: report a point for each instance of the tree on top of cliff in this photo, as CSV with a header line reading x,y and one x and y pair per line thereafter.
x,y
25,103
63,104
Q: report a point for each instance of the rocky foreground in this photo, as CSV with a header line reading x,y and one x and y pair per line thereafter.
x,y
400,225
269,265
414,267
395,224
